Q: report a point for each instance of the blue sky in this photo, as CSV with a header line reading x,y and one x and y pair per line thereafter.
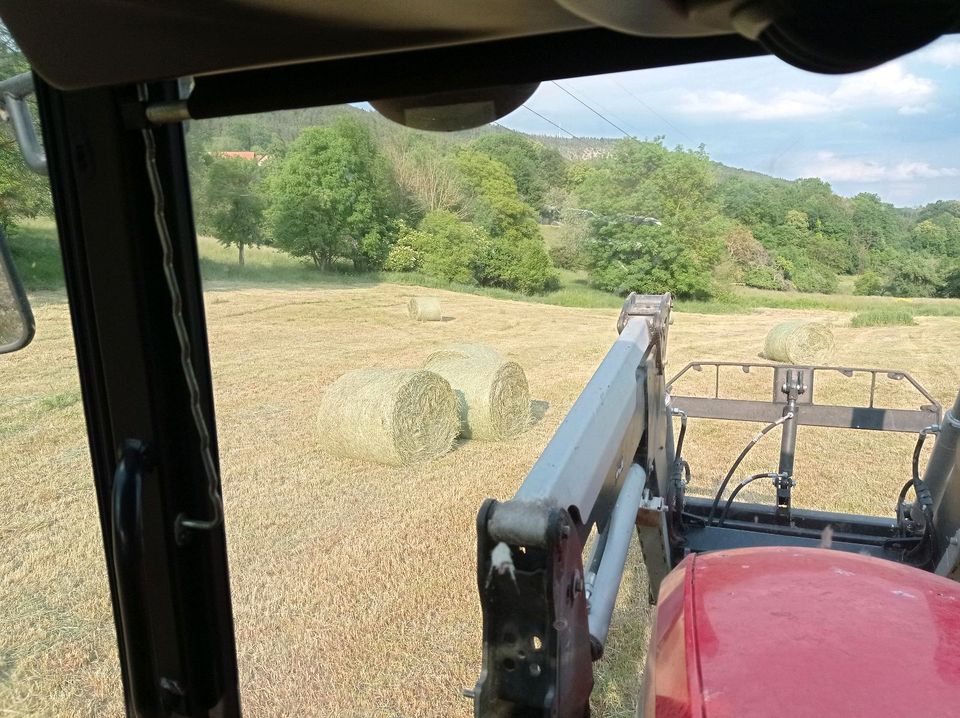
x,y
892,130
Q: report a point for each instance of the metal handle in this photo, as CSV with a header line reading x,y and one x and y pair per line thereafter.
x,y
128,557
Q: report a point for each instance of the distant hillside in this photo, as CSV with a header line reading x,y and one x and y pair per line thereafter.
x,y
720,224
249,132
257,131
578,148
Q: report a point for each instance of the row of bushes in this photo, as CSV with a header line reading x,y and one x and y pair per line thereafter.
x,y
912,276
804,279
445,247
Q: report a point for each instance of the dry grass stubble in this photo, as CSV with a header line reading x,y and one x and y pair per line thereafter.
x,y
353,583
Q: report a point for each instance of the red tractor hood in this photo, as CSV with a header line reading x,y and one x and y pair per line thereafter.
x,y
785,632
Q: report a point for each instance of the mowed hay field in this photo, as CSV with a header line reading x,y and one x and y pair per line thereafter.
x,y
353,583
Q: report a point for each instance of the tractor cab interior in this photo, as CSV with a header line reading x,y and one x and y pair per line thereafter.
x,y
118,88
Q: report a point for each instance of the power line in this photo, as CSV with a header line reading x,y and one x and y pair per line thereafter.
x,y
598,114
654,112
632,130
530,109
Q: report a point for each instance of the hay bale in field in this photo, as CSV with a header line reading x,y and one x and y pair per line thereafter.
x,y
425,309
392,416
799,343
493,398
480,352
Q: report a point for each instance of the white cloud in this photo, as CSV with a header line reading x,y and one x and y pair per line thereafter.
x,y
945,53
800,103
889,86
839,169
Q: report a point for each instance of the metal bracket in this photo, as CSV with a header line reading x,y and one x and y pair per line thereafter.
x,y
654,541
536,644
655,308
713,404
949,564
790,382
17,113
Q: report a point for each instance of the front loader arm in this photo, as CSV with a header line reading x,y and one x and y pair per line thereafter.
x,y
544,617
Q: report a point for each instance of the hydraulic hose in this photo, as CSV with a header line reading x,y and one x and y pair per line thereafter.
x,y
737,489
683,430
924,499
746,450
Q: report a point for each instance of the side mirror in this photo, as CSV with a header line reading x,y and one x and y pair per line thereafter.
x,y
16,319
455,110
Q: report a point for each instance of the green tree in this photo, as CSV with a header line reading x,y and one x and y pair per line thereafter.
x,y
646,179
940,207
622,183
764,277
868,284
929,237
534,168
754,201
448,248
878,226
517,257
811,277
677,188
684,184
627,257
331,198
914,275
233,203
951,283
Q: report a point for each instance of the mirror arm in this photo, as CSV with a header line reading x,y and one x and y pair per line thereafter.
x,y
14,90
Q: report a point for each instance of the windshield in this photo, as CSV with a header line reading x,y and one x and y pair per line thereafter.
x,y
400,320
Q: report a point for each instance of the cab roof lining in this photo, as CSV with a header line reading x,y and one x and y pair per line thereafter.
x,y
519,60
95,43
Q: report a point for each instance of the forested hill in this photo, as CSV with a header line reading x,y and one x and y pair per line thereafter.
x,y
636,215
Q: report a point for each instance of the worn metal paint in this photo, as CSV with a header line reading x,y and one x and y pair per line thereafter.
x,y
792,632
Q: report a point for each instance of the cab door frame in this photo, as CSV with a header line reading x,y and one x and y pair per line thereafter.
x,y
169,585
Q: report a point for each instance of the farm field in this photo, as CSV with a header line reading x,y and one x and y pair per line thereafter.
x,y
353,584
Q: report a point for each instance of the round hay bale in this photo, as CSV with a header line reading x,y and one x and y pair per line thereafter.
x,y
481,352
392,416
799,343
425,309
493,398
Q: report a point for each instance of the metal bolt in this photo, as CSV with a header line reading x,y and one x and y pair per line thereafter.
x,y
172,694
171,686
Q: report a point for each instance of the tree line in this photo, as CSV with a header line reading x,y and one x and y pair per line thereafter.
x,y
344,194
342,188
356,191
